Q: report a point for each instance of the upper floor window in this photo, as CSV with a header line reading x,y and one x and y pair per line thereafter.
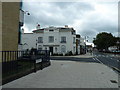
x,y
73,32
63,39
51,39
51,30
40,39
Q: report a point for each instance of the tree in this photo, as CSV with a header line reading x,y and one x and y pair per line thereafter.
x,y
104,40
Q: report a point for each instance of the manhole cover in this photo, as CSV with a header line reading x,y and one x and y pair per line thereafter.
x,y
61,64
113,81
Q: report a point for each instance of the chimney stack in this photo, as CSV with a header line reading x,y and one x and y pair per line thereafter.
x,y
38,26
66,26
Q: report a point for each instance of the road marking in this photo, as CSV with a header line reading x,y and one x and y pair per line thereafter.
x,y
93,58
97,60
116,68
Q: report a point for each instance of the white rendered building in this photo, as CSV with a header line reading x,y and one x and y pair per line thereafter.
x,y
60,40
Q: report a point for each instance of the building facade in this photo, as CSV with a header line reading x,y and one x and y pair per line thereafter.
x,y
78,44
82,46
10,25
59,40
0,28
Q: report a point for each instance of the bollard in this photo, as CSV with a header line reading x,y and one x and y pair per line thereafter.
x,y
35,65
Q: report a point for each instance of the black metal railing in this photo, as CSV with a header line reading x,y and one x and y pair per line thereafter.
x,y
16,62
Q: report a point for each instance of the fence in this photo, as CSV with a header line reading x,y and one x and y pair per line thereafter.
x,y
20,63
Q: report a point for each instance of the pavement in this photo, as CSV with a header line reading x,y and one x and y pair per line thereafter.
x,y
87,55
69,74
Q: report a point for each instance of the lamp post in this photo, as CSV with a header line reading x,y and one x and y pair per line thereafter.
x,y
26,12
21,23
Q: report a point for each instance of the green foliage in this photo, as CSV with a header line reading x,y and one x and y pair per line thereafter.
x,y
104,40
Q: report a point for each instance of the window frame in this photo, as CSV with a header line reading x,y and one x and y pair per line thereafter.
x,y
40,39
51,39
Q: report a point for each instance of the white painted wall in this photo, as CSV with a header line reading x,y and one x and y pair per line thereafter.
x,y
29,40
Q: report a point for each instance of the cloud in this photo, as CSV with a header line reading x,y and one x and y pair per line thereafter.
x,y
87,18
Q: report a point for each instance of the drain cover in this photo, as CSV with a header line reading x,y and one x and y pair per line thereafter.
x,y
113,81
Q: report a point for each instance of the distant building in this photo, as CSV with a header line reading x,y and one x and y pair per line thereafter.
x,y
89,48
82,46
59,40
78,44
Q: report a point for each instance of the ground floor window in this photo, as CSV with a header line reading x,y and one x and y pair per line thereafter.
x,y
63,48
56,49
39,47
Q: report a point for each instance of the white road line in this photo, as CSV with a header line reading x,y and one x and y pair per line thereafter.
x,y
97,60
93,58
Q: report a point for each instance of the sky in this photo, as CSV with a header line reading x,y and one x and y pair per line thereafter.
x,y
87,18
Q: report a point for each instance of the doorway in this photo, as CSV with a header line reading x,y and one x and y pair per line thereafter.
x,y
51,50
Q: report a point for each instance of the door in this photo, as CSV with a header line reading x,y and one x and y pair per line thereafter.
x,y
51,50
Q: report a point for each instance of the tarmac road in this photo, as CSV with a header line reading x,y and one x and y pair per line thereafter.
x,y
109,60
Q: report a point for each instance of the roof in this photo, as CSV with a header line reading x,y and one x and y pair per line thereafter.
x,y
28,33
38,31
60,28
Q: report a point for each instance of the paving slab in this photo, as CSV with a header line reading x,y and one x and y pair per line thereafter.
x,y
68,74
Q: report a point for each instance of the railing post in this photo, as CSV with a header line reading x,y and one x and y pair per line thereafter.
x,y
34,65
34,60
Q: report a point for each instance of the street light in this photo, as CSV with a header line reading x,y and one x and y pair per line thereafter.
x,y
21,23
26,12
